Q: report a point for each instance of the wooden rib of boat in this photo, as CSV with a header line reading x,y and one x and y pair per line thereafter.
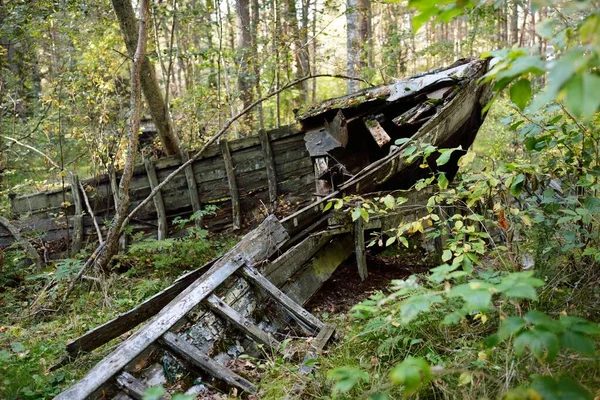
x,y
251,299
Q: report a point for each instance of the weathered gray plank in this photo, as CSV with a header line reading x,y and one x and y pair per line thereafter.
x,y
132,386
190,353
290,305
269,166
29,249
132,318
256,246
240,322
192,185
233,187
317,345
159,204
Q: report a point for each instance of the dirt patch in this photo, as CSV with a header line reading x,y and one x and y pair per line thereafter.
x,y
345,289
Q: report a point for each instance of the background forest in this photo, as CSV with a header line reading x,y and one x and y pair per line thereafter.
x,y
510,309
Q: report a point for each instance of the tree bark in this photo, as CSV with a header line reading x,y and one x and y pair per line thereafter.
x,y
514,23
244,60
149,83
137,67
353,43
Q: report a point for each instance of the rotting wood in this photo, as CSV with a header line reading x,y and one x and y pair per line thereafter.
x,y
295,310
192,355
359,246
338,128
322,187
317,345
127,321
233,186
29,249
159,204
77,241
240,322
132,386
269,166
377,132
256,246
192,186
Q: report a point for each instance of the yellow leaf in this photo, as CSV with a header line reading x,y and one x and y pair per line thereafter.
x,y
482,355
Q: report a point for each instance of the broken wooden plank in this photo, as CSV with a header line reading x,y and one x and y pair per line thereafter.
x,y
77,241
233,186
256,246
317,345
359,247
132,386
192,186
377,132
322,187
127,321
297,311
338,128
191,354
159,204
269,166
240,322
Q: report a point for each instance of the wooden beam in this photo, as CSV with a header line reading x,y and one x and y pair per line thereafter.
x,y
240,322
269,166
159,204
317,345
77,241
233,187
255,247
295,310
191,354
127,321
377,132
132,386
322,187
359,247
192,185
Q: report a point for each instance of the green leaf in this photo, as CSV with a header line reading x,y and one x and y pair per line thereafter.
x,y
413,373
389,201
510,326
154,393
339,203
364,214
442,181
564,388
403,240
543,344
465,378
476,295
578,343
447,255
444,156
516,185
356,213
328,206
417,304
520,93
390,241
18,347
181,396
346,378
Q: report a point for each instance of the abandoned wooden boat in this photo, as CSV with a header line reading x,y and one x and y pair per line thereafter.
x,y
251,299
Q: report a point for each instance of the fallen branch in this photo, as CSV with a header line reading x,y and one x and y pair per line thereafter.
x,y
90,210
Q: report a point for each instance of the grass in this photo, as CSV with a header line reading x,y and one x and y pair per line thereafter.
x,y
30,346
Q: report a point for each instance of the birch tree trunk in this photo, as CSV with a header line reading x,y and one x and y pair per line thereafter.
x,y
149,83
137,67
353,42
244,55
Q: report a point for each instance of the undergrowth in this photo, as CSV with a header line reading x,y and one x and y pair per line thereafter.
x,y
31,344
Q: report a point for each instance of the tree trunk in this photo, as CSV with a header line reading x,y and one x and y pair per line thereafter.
x,y
149,83
353,43
514,23
137,67
244,60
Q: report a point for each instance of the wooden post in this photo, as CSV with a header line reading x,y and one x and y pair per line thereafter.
x,y
159,204
233,187
269,166
359,245
78,217
192,185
